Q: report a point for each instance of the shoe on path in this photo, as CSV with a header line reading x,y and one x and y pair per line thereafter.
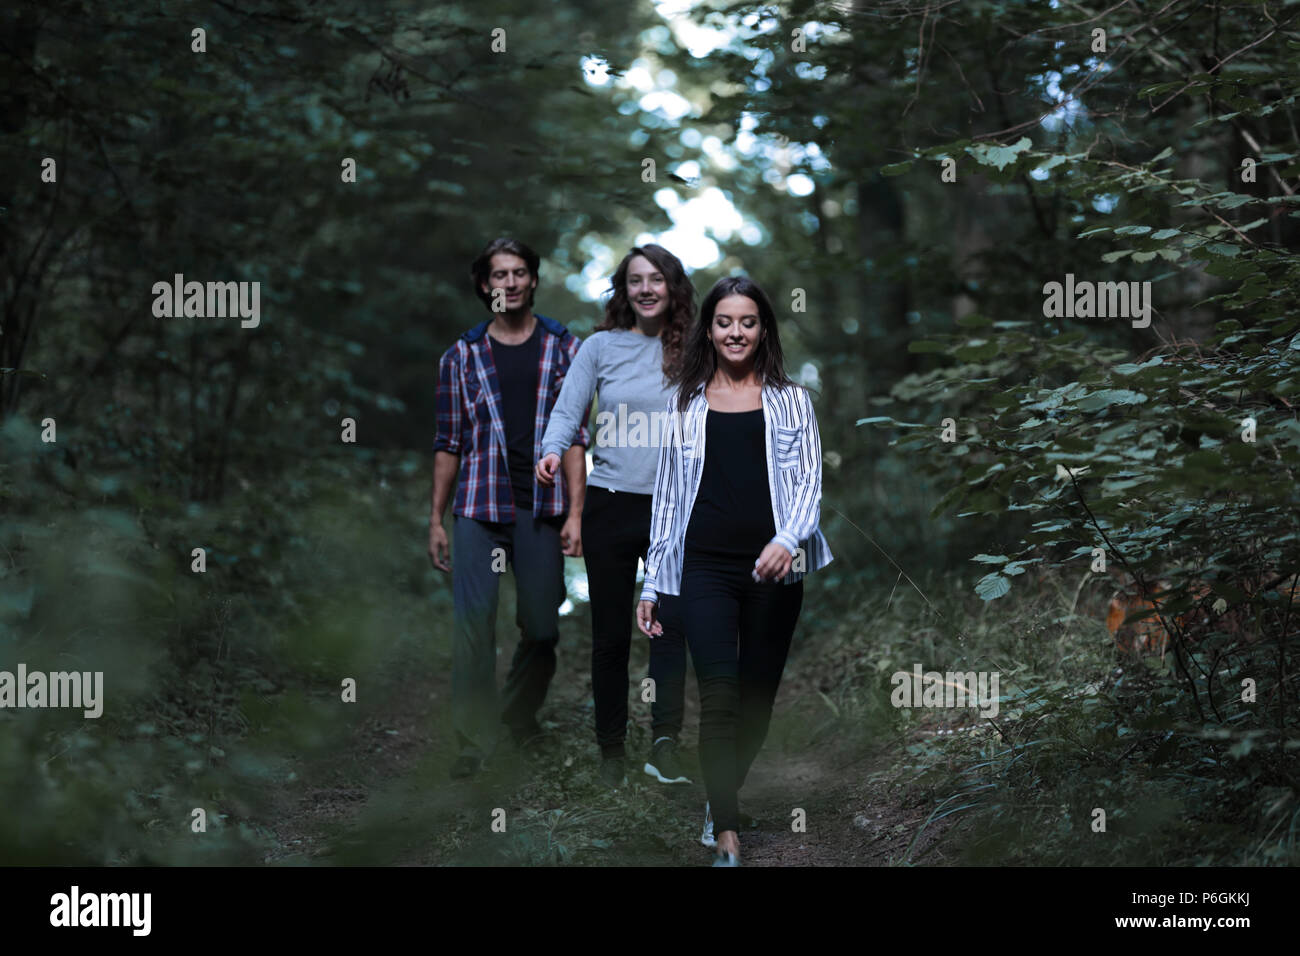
x,y
707,838
613,772
663,764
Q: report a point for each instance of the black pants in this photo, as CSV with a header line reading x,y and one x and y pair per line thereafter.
x,y
739,633
615,533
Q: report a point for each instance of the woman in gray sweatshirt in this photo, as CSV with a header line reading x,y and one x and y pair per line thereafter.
x,y
628,361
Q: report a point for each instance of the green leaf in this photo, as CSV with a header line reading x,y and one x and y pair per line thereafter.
x,y
976,350
925,345
992,586
896,169
1000,156
1110,396
1228,269
1159,88
1075,444
1234,200
1129,368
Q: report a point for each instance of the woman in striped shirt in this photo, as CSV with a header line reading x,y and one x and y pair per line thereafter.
x,y
732,531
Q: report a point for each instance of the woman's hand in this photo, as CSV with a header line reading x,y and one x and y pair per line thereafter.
x,y
645,619
546,469
773,564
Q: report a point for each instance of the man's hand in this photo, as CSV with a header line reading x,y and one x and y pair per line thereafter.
x,y
546,469
773,564
439,549
571,532
646,619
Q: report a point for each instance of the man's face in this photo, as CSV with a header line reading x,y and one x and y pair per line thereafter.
x,y
510,273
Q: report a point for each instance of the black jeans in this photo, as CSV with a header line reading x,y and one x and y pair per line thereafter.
x,y
739,633
615,533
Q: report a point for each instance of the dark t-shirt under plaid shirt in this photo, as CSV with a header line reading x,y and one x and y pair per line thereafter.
x,y
471,421
517,374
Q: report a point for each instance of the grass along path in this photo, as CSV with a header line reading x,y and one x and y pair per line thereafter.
x,y
386,797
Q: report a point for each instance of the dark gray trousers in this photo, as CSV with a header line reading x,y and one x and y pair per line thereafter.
x,y
531,548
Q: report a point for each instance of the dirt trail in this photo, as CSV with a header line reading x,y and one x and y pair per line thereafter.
x,y
392,774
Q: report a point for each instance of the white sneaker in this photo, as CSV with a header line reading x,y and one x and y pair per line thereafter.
x,y
706,837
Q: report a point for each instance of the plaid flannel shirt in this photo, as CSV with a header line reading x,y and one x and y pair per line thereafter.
x,y
470,422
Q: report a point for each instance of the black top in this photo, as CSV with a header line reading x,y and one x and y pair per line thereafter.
x,y
517,370
733,508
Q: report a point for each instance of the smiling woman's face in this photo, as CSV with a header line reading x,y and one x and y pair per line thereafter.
x,y
736,330
647,289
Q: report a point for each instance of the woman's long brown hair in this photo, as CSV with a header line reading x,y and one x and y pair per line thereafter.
x,y
681,302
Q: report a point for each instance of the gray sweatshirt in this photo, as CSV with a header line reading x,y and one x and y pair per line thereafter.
x,y
627,369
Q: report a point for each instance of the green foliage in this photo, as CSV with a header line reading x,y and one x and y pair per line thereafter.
x,y
923,300
218,688
1076,730
1145,460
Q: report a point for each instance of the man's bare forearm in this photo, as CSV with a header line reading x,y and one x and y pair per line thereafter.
x,y
445,467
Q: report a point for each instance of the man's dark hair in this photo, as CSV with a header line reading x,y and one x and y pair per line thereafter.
x,y
482,266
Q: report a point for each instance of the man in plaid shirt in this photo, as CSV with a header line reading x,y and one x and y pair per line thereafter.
x,y
496,387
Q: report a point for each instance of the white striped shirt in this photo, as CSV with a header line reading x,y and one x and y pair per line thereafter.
x,y
794,477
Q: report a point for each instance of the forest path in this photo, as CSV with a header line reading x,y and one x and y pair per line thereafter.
x,y
386,797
